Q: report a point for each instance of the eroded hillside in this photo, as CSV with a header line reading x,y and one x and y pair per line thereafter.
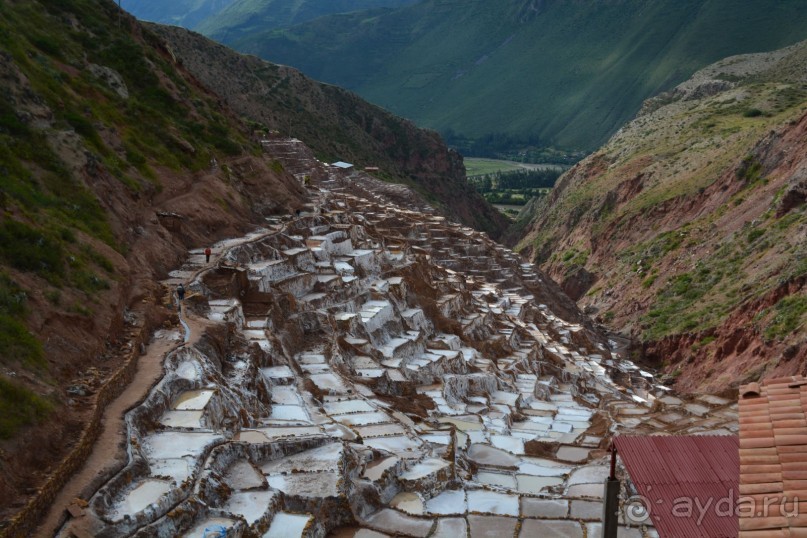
x,y
687,230
113,164
114,161
336,124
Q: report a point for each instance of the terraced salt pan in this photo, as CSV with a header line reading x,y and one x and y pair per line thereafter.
x,y
589,474
174,445
399,445
251,505
315,485
409,502
277,372
285,525
485,501
242,475
279,432
193,400
450,528
289,412
178,469
424,469
376,468
329,382
449,502
437,438
324,458
553,529
362,419
138,498
487,455
541,467
380,430
508,443
536,484
396,523
572,453
286,395
347,406
496,479
182,419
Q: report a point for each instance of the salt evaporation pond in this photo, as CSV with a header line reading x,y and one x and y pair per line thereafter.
x,y
409,502
375,469
287,525
250,504
140,497
182,419
193,400
449,502
175,445
480,500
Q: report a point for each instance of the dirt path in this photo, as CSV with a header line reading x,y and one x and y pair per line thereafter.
x,y
109,448
108,451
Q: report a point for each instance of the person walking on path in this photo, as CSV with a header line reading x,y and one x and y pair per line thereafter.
x,y
208,252
180,294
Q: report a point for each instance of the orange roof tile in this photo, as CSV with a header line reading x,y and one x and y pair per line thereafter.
x,y
773,458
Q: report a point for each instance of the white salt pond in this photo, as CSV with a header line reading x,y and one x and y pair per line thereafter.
x,y
487,455
289,412
174,445
141,496
536,484
277,372
503,504
324,458
400,445
182,419
496,479
376,468
409,502
315,485
449,502
178,469
242,475
347,406
362,419
193,400
424,469
252,505
286,394
285,525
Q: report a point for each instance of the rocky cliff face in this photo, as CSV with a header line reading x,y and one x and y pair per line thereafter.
x,y
687,230
336,123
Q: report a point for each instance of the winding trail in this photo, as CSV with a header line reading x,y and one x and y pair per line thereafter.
x,y
109,450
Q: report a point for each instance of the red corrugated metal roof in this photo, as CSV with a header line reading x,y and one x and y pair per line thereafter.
x,y
690,483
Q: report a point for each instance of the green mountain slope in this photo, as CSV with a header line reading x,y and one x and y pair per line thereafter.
x,y
187,13
336,124
561,72
688,229
250,16
115,160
